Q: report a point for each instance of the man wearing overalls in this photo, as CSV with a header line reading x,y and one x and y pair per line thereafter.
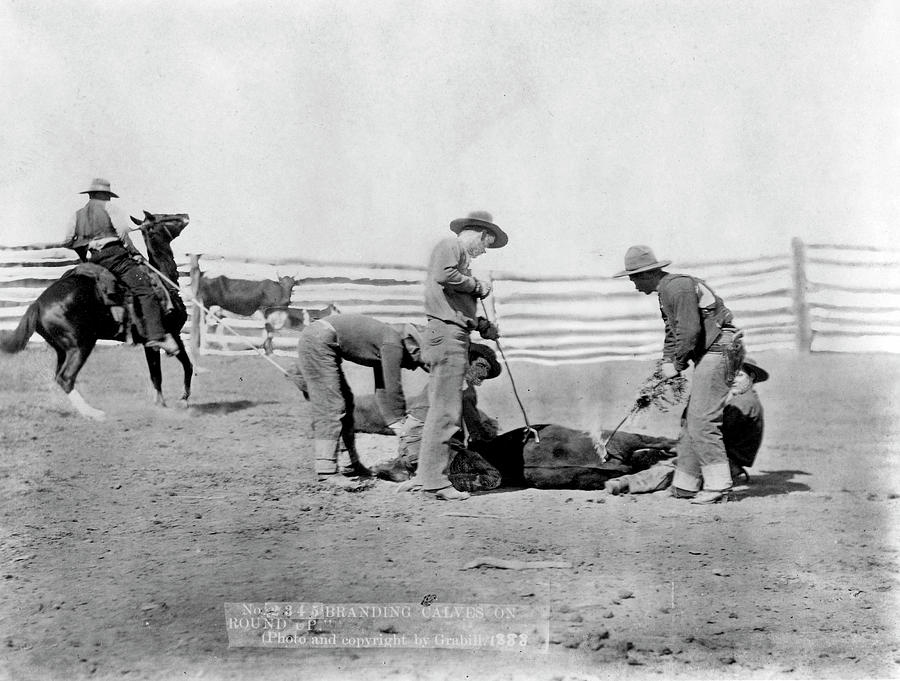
x,y
699,329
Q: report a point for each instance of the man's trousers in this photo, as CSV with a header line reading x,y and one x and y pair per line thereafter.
x,y
701,450
445,350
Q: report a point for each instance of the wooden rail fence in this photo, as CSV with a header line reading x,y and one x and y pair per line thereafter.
x,y
818,297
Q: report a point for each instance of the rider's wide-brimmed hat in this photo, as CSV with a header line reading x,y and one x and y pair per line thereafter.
x,y
477,350
750,366
482,220
98,184
641,259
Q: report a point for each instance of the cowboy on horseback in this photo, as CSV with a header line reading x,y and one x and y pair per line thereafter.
x,y
98,232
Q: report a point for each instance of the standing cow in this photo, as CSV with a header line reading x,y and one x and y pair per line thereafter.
x,y
246,296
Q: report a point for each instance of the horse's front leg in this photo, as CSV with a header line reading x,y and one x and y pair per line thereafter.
x,y
155,367
188,370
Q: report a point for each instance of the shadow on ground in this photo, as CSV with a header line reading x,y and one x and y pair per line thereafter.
x,y
220,408
773,483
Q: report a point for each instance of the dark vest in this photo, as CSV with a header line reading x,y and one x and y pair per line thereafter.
x,y
713,313
92,222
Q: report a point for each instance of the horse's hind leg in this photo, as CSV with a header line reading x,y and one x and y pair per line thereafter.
x,y
153,364
268,343
69,363
188,369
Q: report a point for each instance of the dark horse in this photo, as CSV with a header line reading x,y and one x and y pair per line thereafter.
x,y
71,317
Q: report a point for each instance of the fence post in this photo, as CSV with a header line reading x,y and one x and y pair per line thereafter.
x,y
801,307
197,320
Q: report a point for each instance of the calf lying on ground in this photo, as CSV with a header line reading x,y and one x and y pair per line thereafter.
x,y
564,457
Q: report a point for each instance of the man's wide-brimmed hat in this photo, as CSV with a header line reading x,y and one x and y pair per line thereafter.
x,y
477,350
100,185
750,366
481,220
641,259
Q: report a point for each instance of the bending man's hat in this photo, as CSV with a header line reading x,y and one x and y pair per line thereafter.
x,y
480,219
477,350
641,259
100,185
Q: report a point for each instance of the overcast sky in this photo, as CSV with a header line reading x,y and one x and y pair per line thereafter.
x,y
358,130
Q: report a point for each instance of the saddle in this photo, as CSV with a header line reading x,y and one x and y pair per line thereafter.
x,y
120,301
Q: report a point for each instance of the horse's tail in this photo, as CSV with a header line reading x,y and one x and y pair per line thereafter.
x,y
15,341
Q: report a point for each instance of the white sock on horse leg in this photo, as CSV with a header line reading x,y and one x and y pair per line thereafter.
x,y
83,407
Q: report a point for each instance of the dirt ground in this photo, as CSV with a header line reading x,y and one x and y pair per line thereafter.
x,y
122,540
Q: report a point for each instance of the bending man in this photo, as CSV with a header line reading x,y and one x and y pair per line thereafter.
x,y
324,345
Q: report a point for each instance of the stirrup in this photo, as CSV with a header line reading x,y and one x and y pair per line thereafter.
x,y
167,344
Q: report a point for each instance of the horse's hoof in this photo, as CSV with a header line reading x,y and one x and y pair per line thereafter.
x,y
95,415
183,403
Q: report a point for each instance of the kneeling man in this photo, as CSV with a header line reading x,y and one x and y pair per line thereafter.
x,y
476,426
742,432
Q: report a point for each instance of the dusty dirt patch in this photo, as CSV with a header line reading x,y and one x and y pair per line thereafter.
x,y
121,541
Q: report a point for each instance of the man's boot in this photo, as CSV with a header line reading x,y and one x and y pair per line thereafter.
x,y
326,452
716,484
738,472
394,470
355,467
616,486
684,485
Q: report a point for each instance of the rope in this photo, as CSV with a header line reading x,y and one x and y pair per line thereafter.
x,y
631,413
528,429
221,321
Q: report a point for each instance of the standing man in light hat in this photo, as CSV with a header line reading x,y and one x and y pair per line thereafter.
x,y
99,233
699,330
451,299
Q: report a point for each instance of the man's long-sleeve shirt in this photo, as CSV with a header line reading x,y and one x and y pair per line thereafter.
x,y
694,317
372,343
680,309
449,285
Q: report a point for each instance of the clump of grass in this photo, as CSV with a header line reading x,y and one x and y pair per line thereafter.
x,y
661,392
